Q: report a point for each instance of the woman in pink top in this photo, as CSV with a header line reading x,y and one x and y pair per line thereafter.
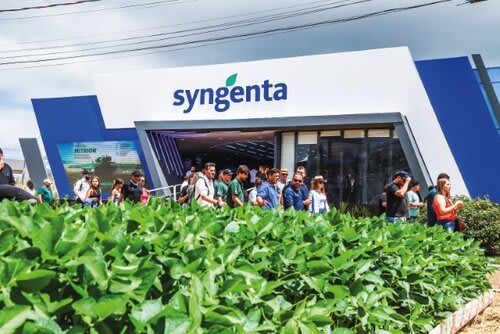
x,y
444,208
145,192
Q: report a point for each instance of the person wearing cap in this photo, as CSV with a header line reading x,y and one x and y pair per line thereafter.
x,y
236,189
221,186
414,203
282,182
82,186
396,192
303,187
132,189
44,193
317,196
292,196
6,174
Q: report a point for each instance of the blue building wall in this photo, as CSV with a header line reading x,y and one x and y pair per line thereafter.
x,y
466,122
75,119
494,75
450,84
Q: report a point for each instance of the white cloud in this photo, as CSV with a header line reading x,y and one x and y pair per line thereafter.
x,y
444,30
15,124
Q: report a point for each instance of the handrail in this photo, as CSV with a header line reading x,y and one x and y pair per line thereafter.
x,y
172,190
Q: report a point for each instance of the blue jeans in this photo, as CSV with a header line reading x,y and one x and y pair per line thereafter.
x,y
394,220
448,225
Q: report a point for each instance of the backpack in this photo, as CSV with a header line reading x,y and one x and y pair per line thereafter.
x,y
193,190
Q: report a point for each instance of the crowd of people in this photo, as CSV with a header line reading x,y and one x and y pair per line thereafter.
x,y
401,200
88,189
271,188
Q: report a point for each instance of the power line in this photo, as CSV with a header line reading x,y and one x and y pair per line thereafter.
x,y
145,5
222,39
194,31
161,27
47,6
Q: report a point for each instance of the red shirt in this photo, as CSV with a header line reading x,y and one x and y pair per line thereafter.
x,y
449,216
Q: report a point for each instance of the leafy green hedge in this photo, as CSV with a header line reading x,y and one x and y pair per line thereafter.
x,y
483,222
165,269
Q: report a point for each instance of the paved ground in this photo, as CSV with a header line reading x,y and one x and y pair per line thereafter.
x,y
489,321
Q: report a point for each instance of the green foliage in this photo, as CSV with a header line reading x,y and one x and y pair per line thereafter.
x,y
482,217
163,268
357,211
483,223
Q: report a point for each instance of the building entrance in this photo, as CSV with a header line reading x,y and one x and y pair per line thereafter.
x,y
177,151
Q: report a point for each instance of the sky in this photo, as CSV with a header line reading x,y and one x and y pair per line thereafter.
x,y
172,33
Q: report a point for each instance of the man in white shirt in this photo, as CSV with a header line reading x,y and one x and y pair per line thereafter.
x,y
82,185
204,188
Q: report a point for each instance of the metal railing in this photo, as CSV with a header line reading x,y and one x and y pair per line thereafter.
x,y
168,191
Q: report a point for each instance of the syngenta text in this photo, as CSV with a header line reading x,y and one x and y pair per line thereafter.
x,y
222,97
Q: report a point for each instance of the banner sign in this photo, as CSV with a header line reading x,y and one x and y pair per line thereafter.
x,y
106,159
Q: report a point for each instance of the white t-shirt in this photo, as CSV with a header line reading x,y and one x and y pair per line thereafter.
x,y
81,187
318,202
252,196
206,187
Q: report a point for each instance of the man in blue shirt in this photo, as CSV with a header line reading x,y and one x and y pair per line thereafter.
x,y
303,187
292,196
431,215
267,197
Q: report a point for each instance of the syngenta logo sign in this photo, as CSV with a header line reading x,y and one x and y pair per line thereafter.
x,y
222,97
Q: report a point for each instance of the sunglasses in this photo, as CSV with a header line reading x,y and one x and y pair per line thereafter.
x,y
295,180
284,173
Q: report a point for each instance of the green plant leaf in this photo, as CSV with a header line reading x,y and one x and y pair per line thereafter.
x,y
12,318
85,307
7,240
143,313
342,330
35,280
93,261
110,304
175,322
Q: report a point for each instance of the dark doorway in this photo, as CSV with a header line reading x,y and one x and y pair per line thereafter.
x,y
177,151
